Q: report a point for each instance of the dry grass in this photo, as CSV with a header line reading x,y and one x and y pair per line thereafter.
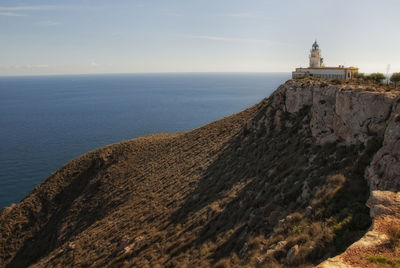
x,y
367,84
381,254
394,236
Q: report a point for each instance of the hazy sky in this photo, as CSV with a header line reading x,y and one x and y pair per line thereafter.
x,y
99,36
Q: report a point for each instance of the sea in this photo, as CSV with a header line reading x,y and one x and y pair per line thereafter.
x,y
46,121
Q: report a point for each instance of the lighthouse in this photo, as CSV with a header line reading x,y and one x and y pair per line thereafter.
x,y
318,69
315,56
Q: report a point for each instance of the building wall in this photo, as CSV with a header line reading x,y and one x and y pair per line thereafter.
x,y
349,74
339,73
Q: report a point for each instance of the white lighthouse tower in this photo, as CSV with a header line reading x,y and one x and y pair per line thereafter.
x,y
318,70
315,56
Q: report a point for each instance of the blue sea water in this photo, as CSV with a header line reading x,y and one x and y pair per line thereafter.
x,y
46,121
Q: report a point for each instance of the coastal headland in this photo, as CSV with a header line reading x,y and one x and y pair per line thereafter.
x,y
310,176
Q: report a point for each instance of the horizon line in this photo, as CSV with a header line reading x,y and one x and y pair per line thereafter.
x,y
143,73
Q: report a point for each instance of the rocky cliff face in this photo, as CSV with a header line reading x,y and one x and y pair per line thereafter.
x,y
284,183
353,114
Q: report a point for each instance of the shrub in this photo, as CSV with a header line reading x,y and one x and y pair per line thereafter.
x,y
223,263
329,190
297,239
394,236
383,260
376,77
395,78
303,256
296,216
359,75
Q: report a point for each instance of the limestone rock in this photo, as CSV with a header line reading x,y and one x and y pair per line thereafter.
x,y
349,113
138,242
384,171
323,114
290,257
360,115
297,97
384,203
335,262
70,246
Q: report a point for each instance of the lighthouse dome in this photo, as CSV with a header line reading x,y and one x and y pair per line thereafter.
x,y
315,45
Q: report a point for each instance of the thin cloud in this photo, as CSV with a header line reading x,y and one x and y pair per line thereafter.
x,y
242,15
229,39
48,23
11,14
38,66
247,15
10,10
27,66
24,8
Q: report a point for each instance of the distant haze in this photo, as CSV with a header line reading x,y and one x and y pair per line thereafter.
x,y
101,36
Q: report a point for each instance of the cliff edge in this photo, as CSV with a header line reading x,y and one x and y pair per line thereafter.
x,y
308,177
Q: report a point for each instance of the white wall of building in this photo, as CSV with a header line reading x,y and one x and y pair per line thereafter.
x,y
331,73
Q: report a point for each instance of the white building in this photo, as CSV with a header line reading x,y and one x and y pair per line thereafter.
x,y
317,68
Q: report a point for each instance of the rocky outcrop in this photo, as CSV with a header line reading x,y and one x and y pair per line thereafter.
x,y
292,254
351,114
384,172
348,113
384,203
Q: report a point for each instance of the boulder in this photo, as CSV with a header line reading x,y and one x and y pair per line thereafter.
x,y
292,254
384,203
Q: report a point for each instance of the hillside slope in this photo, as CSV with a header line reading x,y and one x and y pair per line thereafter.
x,y
280,184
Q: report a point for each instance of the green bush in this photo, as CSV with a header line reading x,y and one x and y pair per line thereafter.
x,y
359,75
395,78
376,77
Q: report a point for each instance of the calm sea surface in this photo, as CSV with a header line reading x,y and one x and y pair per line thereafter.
x,y
49,120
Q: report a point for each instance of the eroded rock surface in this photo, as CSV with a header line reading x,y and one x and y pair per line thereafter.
x,y
354,114
384,203
385,209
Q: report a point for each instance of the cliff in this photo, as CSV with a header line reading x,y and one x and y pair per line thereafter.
x,y
284,183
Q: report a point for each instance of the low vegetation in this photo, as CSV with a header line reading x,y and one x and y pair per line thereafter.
x,y
395,78
381,260
376,77
361,80
394,236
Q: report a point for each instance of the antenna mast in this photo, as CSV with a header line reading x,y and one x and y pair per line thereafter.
x,y
387,74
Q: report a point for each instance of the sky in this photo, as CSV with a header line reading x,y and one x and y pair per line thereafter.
x,y
39,37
